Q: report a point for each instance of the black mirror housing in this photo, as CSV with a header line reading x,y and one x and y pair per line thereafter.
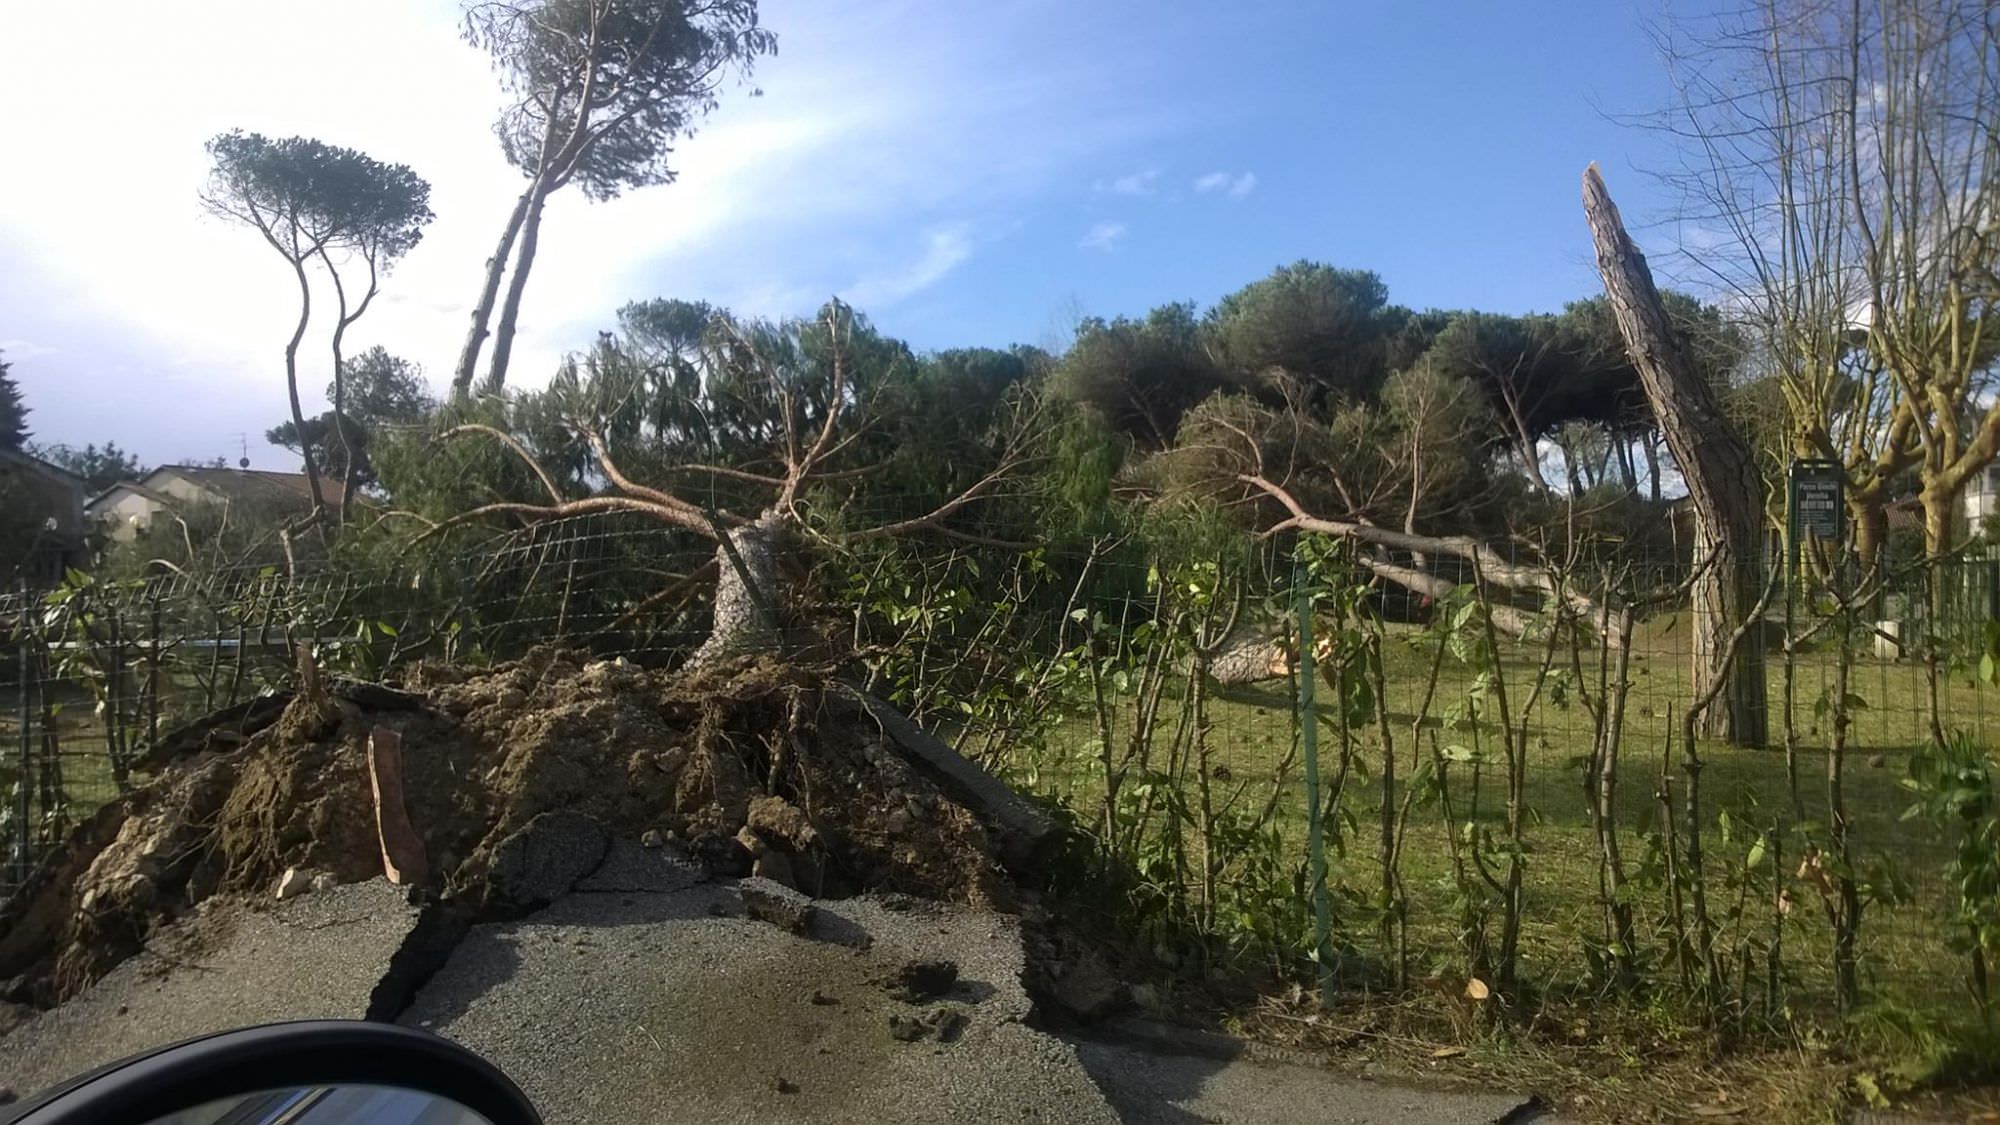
x,y
310,1053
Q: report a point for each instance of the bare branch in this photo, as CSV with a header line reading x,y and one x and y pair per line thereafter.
x,y
824,441
618,478
732,474
1492,566
541,512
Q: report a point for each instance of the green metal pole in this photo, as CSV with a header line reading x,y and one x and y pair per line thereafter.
x,y
1315,838
23,840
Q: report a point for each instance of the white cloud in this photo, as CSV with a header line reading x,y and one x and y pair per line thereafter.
x,y
891,134
25,349
1103,236
1137,183
944,250
1235,186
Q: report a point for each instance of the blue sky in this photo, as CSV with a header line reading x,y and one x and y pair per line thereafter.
x,y
964,173
1439,147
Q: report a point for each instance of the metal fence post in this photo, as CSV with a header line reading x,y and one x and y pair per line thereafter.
x,y
1315,841
23,833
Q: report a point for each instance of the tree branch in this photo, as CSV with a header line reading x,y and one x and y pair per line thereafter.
x,y
540,512
666,506
508,440
732,474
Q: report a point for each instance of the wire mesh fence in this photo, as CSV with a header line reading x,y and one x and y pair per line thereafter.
x,y
1465,729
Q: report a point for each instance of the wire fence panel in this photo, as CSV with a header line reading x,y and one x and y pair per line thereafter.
x,y
1506,792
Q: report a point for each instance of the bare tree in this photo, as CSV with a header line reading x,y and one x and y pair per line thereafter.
x,y
602,89
1432,413
1849,154
1765,204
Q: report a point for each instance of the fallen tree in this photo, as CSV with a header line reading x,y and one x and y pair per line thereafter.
x,y
1489,564
1279,464
811,438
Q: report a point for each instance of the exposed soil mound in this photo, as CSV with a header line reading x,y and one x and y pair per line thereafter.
x,y
746,765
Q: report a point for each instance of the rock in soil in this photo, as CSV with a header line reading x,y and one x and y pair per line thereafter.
x,y
293,883
545,858
780,821
780,906
943,1024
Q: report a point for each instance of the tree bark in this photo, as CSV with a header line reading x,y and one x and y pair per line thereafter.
x,y
1247,658
1939,505
1514,622
292,383
1870,519
746,591
510,313
1717,465
482,312
340,324
343,319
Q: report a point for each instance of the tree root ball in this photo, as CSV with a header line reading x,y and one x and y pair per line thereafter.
x,y
739,752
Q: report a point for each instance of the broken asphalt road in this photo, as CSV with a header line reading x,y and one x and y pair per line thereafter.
x,y
318,956
651,993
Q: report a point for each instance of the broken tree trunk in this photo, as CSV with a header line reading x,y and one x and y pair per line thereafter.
x,y
1717,464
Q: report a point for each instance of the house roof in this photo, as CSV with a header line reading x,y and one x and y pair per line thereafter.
x,y
250,486
254,485
27,461
131,486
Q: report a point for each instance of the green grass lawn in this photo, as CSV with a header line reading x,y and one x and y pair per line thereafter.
x,y
1904,955
87,780
85,760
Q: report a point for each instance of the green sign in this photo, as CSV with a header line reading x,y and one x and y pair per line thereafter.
x,y
1819,508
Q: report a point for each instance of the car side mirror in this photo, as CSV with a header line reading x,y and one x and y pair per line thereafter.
x,y
318,1072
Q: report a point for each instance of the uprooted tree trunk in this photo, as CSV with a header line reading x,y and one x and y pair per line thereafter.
x,y
749,597
1720,471
746,590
